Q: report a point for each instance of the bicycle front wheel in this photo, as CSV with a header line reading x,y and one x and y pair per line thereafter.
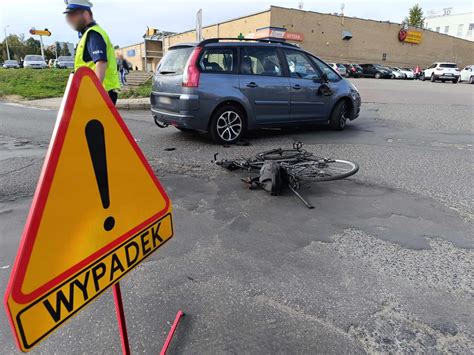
x,y
323,170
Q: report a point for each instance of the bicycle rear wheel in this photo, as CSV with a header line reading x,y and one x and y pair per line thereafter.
x,y
323,170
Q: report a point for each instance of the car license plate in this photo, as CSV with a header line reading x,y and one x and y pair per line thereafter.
x,y
165,100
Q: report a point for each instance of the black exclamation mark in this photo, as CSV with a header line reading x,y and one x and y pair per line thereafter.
x,y
96,142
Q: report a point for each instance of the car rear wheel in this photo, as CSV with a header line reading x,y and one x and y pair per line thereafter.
x,y
228,125
471,80
377,76
455,81
339,116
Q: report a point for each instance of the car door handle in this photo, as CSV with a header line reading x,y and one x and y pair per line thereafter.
x,y
297,87
252,85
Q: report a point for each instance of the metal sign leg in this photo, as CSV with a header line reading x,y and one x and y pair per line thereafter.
x,y
121,319
171,333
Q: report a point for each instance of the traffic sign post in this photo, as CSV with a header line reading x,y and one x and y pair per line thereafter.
x,y
40,33
98,211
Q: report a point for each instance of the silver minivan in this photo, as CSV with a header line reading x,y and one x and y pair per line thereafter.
x,y
226,87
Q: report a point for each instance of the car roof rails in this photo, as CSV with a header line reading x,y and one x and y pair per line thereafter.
x,y
217,40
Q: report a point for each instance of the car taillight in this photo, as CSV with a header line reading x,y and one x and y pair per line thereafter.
x,y
191,72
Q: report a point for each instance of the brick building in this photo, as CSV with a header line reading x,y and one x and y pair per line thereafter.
x,y
336,38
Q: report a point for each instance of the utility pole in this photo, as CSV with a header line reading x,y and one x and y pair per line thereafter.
x,y
199,26
6,41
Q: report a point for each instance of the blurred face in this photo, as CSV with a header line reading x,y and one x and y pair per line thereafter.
x,y
78,19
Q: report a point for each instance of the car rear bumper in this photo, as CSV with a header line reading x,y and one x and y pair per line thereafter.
x,y
179,110
447,77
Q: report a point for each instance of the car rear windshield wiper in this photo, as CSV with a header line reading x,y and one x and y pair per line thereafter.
x,y
167,72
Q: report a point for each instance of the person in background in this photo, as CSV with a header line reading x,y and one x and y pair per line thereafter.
x,y
417,72
124,70
94,50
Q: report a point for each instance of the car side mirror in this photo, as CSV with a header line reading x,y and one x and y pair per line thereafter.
x,y
324,90
325,78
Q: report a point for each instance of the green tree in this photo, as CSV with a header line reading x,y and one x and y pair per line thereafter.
x,y
65,50
415,17
32,46
15,47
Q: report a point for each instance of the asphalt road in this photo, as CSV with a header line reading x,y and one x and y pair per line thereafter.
x,y
382,264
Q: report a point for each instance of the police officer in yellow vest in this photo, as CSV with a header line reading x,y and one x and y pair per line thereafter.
x,y
94,49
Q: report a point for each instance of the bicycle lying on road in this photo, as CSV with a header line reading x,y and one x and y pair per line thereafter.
x,y
290,168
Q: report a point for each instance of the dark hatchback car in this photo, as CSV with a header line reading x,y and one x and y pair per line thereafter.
x,y
225,87
354,70
375,71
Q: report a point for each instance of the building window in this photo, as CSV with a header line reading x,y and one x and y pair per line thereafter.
x,y
446,29
131,53
460,27
469,31
438,29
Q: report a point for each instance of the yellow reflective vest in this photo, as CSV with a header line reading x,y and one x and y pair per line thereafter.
x,y
111,79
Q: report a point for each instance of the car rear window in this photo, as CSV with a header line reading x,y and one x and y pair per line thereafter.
x,y
174,61
34,58
447,65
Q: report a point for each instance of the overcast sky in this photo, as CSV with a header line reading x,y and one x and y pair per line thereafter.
x,y
126,20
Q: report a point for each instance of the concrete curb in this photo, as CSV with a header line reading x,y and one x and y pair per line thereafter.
x,y
132,106
123,104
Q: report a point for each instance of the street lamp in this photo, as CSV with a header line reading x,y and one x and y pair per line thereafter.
x,y
6,40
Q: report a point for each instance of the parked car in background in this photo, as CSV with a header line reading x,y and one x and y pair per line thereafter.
x,y
397,73
226,88
65,62
341,69
442,71
467,74
11,64
353,70
375,71
34,61
410,74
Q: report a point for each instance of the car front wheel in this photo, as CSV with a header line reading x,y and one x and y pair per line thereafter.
x,y
228,125
432,78
339,116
